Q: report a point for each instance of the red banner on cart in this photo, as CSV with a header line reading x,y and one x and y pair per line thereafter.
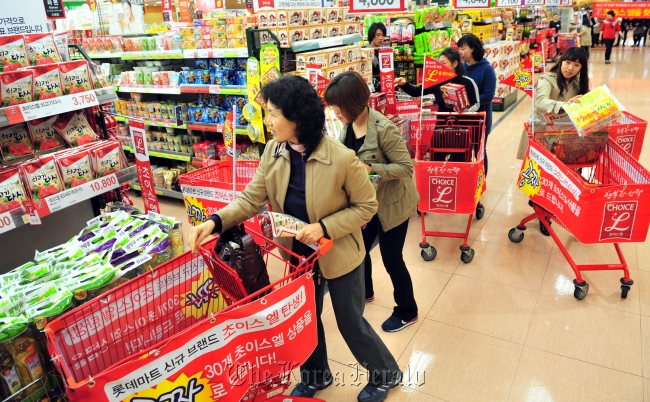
x,y
387,76
435,72
143,166
592,213
623,10
219,358
629,133
522,78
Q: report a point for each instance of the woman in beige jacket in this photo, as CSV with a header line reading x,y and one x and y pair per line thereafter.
x,y
318,180
585,34
382,151
566,82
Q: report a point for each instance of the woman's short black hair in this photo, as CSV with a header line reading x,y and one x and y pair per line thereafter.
x,y
373,30
453,56
586,21
577,55
300,104
474,43
612,13
350,93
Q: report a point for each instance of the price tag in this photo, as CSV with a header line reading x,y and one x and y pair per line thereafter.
x,y
534,2
508,3
372,6
553,3
6,222
214,89
49,107
83,192
472,3
330,42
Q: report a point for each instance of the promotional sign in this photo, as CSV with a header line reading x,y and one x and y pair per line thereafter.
x,y
592,214
168,15
218,358
387,76
458,4
30,17
537,59
508,3
522,78
143,166
374,6
287,4
629,133
229,132
49,107
54,9
622,10
435,73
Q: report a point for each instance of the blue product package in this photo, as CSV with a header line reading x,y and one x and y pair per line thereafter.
x,y
204,99
212,63
227,102
240,101
223,115
201,64
228,64
240,77
220,77
217,99
231,77
210,115
196,112
189,77
204,77
241,64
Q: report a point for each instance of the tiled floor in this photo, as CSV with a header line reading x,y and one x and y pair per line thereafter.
x,y
506,327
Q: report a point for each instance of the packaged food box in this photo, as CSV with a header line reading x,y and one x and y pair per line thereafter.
x,y
42,177
316,17
351,17
272,16
318,32
330,73
352,67
297,18
283,19
351,28
299,34
378,102
75,77
13,54
12,192
47,81
44,135
41,49
366,54
283,37
453,97
336,57
262,19
16,141
334,15
302,59
75,168
365,67
333,31
16,87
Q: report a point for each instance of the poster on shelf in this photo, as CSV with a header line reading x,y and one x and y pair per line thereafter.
x,y
128,19
375,6
30,17
387,76
288,4
54,9
143,166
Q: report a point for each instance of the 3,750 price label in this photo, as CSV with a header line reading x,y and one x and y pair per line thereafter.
x,y
371,6
84,100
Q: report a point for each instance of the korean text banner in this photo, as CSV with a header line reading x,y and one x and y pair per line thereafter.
x,y
623,10
435,73
522,78
219,358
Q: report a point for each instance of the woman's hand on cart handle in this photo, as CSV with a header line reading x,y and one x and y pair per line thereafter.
x,y
399,81
199,233
310,234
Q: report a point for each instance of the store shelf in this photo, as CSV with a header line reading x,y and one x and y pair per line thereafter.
x,y
157,55
216,53
157,89
105,55
154,123
315,44
160,191
203,162
215,128
20,218
28,157
214,89
176,156
62,104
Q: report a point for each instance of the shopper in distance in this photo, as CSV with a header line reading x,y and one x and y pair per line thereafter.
x,y
318,180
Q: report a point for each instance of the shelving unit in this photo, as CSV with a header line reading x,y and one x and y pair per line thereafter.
x,y
185,89
174,54
159,191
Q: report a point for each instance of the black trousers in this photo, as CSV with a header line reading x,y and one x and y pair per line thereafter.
x,y
595,38
637,39
391,244
608,48
348,301
586,49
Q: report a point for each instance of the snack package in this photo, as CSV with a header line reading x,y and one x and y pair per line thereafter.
x,y
47,81
16,87
13,54
75,77
41,49
12,192
61,40
16,142
75,169
596,109
74,128
42,177
281,225
44,135
107,159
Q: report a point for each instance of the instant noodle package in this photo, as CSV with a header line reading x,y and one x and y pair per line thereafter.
x,y
75,77
74,128
75,168
13,55
16,142
41,49
106,158
47,81
42,177
44,135
12,191
16,87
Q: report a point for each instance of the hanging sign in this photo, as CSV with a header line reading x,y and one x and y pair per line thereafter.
x,y
435,72
522,78
459,4
54,9
167,10
143,166
623,10
30,17
373,6
387,76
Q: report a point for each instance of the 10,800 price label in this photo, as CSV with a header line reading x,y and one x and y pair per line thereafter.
x,y
371,6
6,222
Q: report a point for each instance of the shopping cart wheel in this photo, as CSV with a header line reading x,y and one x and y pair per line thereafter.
x,y
516,235
581,289
428,252
467,255
625,287
480,211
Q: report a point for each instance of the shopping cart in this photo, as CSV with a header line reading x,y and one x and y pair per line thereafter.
x,y
565,42
591,187
629,132
450,175
117,336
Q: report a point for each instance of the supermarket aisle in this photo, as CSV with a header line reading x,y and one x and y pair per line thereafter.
x,y
506,327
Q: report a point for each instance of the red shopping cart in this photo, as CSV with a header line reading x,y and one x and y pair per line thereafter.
x,y
449,174
601,204
629,132
160,336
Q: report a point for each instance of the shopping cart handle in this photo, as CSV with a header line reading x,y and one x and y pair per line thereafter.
x,y
325,245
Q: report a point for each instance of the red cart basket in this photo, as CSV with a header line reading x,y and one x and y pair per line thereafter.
x,y
159,336
629,132
449,174
603,205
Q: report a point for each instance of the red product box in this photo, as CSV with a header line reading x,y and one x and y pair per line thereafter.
x,y
455,97
378,102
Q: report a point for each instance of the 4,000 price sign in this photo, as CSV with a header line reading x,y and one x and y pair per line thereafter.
x,y
372,6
